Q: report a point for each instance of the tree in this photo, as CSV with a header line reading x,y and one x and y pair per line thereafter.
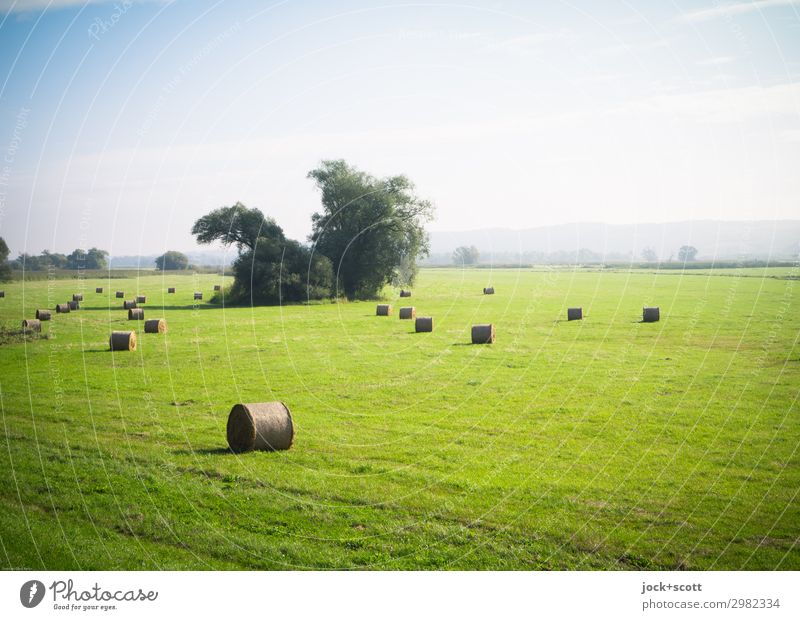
x,y
96,259
687,253
369,228
270,268
5,267
172,260
649,255
466,255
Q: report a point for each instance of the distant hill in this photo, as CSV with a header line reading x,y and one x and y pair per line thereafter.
x,y
209,258
597,242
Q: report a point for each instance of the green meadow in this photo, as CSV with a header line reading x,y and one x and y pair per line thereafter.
x,y
605,443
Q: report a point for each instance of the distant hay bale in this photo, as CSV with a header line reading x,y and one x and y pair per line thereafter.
x,y
32,325
43,315
574,314
120,294
136,314
62,308
423,324
483,334
171,289
383,310
650,315
2,293
405,293
489,290
99,289
408,313
74,305
77,297
198,295
128,304
217,287
155,326
141,299
122,341
260,426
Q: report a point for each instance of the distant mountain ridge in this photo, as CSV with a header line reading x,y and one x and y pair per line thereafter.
x,y
208,258
758,239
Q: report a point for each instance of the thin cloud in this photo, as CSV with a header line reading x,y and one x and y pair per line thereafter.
x,y
712,62
32,6
734,8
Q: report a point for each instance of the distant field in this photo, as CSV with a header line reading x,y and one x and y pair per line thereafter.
x,y
600,444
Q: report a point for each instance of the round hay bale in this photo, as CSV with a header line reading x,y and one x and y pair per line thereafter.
x,y
155,326
74,305
424,324
650,315
62,308
408,313
383,310
198,295
99,289
136,314
141,299
77,297
574,314
122,341
2,293
217,287
120,294
33,325
489,290
43,315
405,293
171,289
260,426
128,304
483,334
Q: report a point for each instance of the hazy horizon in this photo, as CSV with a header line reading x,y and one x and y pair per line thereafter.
x,y
124,123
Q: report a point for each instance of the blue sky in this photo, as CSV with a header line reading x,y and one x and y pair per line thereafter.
x,y
124,122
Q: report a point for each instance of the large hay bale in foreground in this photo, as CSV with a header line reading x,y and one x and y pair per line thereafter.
x,y
32,325
74,305
383,310
155,326
217,287
122,341
489,290
198,295
43,315
171,289
77,297
405,293
260,426
120,294
128,304
141,299
62,308
136,314
574,314
99,289
423,324
408,313
650,315
483,334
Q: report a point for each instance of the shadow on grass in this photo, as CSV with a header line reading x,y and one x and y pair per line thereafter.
x,y
205,451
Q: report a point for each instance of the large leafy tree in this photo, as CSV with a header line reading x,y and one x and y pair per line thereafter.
x,y
5,268
466,255
370,228
687,253
270,268
172,260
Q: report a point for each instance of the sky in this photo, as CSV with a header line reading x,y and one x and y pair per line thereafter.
x,y
123,122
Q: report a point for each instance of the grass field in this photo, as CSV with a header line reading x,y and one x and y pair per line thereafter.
x,y
601,444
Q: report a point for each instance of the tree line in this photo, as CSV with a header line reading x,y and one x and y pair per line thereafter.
x,y
368,233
